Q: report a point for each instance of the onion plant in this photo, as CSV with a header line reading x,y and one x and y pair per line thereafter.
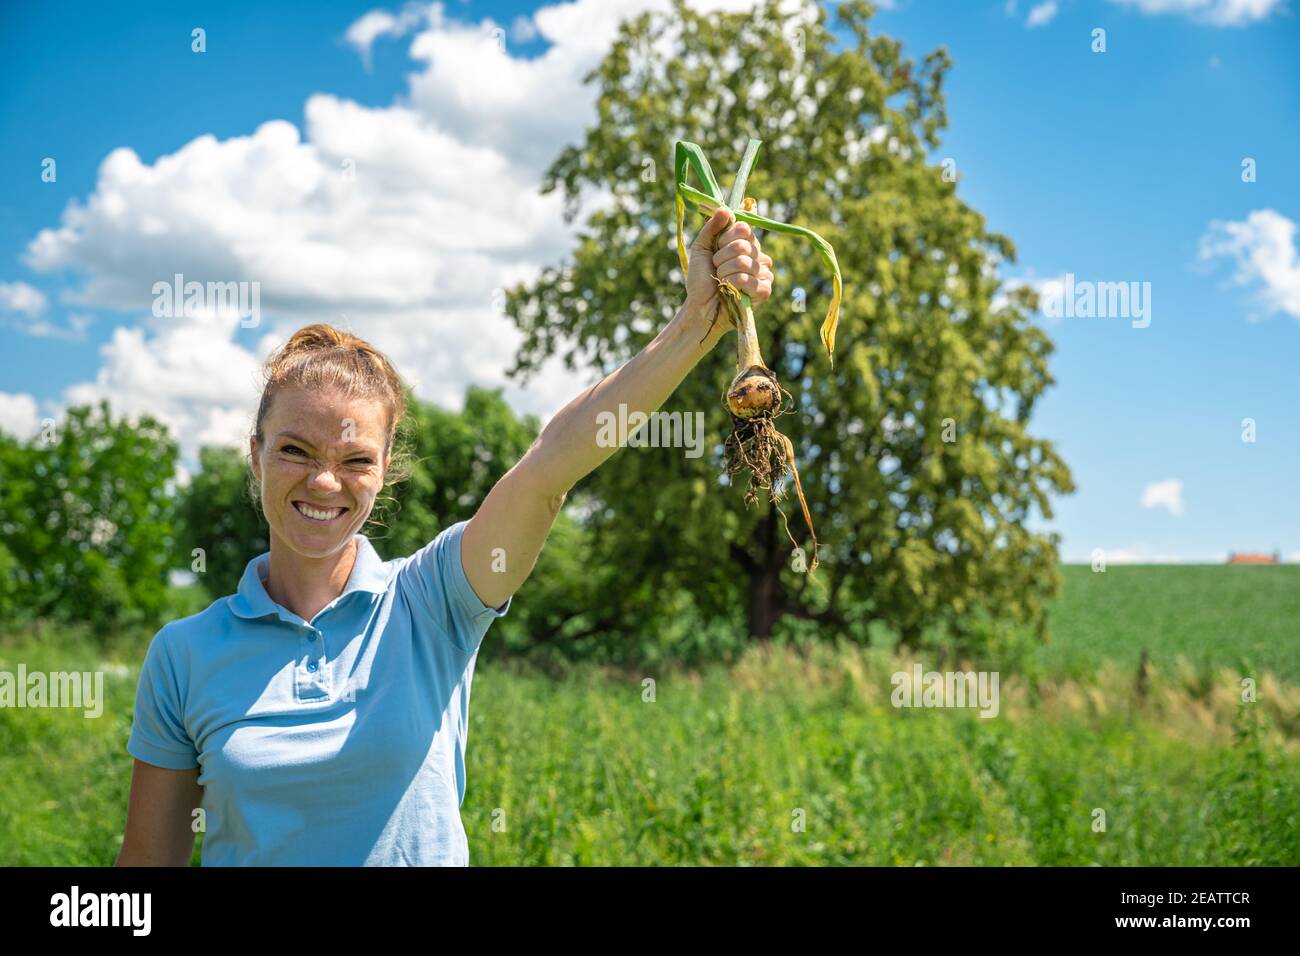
x,y
754,397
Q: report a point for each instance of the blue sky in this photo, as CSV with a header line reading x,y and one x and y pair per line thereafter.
x,y
1115,166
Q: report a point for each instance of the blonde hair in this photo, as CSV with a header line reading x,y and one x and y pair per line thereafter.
x,y
322,357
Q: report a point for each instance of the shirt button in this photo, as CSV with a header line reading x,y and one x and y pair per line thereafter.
x,y
311,666
311,636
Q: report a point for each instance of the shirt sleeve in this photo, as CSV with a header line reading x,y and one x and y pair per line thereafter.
x,y
435,579
158,734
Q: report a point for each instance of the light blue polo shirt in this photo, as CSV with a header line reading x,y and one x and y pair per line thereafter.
x,y
338,741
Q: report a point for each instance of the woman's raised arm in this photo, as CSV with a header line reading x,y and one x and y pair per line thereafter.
x,y
517,515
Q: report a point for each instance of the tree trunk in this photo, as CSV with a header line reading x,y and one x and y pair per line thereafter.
x,y
766,597
764,603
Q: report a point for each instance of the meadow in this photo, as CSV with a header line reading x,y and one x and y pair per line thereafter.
x,y
1239,616
795,756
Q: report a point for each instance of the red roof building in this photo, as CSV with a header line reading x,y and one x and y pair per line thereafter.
x,y
1249,557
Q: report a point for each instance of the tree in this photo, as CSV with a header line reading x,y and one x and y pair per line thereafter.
x,y
14,495
218,515
87,519
456,458
914,451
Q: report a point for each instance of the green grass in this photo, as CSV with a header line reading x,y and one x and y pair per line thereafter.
x,y
1245,618
67,777
786,759
718,769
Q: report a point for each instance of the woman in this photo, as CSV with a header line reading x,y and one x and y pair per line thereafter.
x,y
318,716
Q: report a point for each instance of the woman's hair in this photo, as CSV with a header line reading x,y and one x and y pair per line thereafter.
x,y
321,357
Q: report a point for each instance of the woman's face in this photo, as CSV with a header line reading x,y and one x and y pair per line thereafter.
x,y
321,467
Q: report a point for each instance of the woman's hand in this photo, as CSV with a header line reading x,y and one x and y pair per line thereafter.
x,y
727,249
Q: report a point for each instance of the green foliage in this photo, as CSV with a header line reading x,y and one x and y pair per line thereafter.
x,y
1214,616
1254,797
14,489
15,513
10,605
589,772
216,513
456,459
919,531
86,520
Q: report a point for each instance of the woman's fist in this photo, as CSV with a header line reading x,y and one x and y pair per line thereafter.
x,y
727,249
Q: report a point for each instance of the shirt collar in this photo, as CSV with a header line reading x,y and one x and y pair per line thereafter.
x,y
369,573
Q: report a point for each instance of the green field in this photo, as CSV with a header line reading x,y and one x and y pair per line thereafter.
x,y
1213,615
791,758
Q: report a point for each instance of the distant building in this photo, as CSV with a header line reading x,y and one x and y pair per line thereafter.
x,y
1254,557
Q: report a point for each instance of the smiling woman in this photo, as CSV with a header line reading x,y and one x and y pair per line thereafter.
x,y
320,714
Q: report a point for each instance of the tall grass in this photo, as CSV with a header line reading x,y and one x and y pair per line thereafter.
x,y
722,767
783,760
798,757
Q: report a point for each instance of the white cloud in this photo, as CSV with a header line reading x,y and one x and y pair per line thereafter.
x,y
1217,12
401,222
26,307
191,375
411,250
21,298
523,30
1265,251
369,27
1143,553
1041,14
1164,494
1139,554
18,414
529,108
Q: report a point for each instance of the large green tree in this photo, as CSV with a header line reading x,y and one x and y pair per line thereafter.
x,y
86,514
914,451
14,492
